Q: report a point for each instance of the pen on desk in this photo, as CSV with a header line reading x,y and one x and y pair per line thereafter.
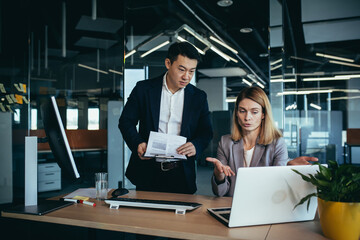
x,y
88,203
70,200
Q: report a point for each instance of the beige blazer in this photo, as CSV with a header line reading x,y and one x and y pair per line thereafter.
x,y
231,153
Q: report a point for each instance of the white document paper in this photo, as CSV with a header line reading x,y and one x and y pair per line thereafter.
x,y
84,192
163,145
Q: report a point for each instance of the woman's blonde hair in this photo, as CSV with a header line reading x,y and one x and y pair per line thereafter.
x,y
268,131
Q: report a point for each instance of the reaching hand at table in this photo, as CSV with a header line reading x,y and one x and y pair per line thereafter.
x,y
303,160
220,170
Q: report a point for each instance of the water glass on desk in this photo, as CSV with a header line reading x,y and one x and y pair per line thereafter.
x,y
101,185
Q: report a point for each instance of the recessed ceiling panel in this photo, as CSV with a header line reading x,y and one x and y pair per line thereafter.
x,y
95,42
331,31
223,72
106,25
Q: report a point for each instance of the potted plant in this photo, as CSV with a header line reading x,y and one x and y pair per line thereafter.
x,y
338,193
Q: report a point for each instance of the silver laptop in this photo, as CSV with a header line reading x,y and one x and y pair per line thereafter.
x,y
267,195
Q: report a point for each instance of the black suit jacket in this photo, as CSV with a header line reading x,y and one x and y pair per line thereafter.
x,y
143,106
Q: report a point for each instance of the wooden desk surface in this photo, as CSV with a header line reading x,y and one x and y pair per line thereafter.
x,y
196,224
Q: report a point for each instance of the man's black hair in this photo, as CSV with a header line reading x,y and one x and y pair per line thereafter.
x,y
184,49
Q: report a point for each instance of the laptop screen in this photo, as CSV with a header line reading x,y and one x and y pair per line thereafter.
x,y
268,195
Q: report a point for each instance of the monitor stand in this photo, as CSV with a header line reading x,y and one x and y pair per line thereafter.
x,y
31,205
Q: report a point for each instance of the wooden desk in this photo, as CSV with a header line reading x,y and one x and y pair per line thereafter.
x,y
197,224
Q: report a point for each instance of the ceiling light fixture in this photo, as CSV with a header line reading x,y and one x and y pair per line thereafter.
x,y
346,90
91,68
350,76
253,78
155,48
130,53
223,44
276,67
283,80
275,62
343,98
315,106
184,40
114,71
224,3
334,57
233,59
230,99
344,63
303,92
197,36
305,60
223,55
247,82
316,91
260,84
246,30
326,78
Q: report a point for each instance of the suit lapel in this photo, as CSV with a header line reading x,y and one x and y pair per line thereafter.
x,y
188,95
155,99
238,154
258,152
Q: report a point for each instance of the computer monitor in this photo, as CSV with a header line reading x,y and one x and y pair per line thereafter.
x,y
60,147
56,136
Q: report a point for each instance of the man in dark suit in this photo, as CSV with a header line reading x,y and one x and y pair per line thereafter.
x,y
167,104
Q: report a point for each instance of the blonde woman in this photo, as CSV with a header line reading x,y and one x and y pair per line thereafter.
x,y
254,141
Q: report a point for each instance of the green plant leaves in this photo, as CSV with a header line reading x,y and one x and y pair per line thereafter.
x,y
334,183
307,198
325,172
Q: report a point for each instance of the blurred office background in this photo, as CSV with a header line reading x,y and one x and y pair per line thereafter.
x,y
90,54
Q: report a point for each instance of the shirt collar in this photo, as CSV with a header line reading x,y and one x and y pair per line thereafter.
x,y
166,87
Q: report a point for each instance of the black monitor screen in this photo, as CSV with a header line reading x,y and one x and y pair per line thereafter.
x,y
55,133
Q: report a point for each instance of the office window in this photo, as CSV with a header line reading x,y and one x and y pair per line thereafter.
x,y
33,119
72,118
17,116
93,118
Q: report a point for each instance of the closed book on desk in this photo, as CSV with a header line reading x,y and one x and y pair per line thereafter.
x,y
43,207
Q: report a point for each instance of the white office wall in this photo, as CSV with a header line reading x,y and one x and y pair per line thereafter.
x,y
131,77
115,145
215,89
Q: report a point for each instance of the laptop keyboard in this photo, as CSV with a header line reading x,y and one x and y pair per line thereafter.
x,y
151,201
225,215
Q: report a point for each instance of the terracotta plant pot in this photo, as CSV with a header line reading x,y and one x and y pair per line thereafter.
x,y
339,220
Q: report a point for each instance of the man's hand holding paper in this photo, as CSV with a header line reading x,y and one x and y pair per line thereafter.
x,y
166,146
141,151
187,149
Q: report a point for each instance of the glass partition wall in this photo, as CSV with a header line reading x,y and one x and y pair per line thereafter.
x,y
73,50
90,54
314,75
